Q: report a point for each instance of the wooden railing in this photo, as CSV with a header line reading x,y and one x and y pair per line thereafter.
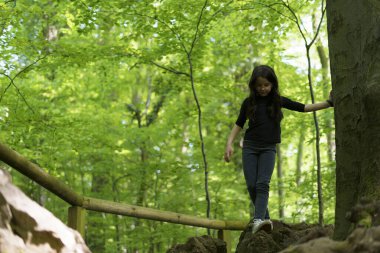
x,y
79,204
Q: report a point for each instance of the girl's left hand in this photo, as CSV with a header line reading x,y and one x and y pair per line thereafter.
x,y
331,98
228,153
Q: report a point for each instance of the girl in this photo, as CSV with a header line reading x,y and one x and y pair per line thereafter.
x,y
263,109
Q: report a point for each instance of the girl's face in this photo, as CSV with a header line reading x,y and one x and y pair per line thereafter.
x,y
263,86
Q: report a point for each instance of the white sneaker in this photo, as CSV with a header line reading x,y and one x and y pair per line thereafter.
x,y
271,224
259,224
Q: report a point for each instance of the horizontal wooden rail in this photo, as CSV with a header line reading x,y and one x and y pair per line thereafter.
x,y
153,214
34,172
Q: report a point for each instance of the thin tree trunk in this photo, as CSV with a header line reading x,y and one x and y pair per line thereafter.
x,y
308,45
97,238
280,184
143,185
300,155
317,141
197,35
326,88
116,222
189,54
201,139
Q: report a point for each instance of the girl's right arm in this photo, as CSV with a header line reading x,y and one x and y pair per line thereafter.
x,y
322,105
229,150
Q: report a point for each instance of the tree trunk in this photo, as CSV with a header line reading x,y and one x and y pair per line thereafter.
x,y
300,155
143,184
96,221
354,36
280,184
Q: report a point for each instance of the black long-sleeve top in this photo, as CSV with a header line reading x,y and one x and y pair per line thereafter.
x,y
263,129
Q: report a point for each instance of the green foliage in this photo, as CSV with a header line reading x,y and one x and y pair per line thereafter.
x,y
98,94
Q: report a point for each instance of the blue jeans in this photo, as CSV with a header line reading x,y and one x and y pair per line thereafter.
x,y
258,165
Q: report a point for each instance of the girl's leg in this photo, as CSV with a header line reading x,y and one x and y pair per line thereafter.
x,y
265,165
250,161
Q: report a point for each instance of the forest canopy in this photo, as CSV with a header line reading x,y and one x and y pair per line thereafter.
x,y
132,101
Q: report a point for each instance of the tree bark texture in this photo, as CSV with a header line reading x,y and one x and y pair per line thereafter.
x,y
354,45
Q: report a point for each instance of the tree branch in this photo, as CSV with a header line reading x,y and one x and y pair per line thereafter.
x,y
10,1
296,20
8,86
323,10
176,34
269,6
11,82
30,65
170,69
212,17
17,89
197,28
152,116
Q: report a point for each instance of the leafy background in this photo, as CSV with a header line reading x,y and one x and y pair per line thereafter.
x,y
99,94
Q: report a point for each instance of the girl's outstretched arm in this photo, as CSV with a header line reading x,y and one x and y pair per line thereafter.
x,y
322,105
317,106
229,150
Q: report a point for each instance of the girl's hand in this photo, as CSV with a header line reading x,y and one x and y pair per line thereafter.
x,y
331,98
228,153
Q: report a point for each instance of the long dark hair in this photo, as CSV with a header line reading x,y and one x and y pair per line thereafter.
x,y
274,103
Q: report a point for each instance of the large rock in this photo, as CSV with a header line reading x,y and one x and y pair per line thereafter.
x,y
202,244
303,238
282,236
360,241
25,226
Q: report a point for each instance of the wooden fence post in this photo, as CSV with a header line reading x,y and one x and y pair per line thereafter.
x,y
225,235
77,219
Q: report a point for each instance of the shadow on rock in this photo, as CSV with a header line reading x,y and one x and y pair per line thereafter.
x,y
202,244
25,226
